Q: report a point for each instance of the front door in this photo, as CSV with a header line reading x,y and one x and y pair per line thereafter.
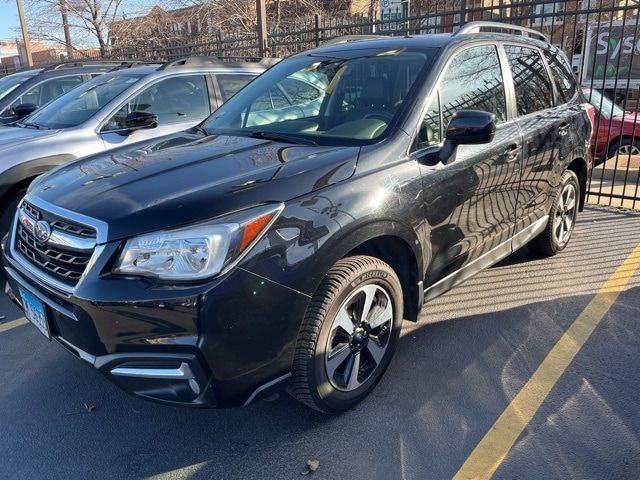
x,y
470,203
180,102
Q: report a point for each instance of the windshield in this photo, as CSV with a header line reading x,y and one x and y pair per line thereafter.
x,y
604,104
81,103
324,100
10,83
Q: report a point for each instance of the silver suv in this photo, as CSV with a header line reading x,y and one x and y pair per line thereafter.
x,y
114,110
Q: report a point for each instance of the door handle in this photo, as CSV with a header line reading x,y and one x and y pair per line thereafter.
x,y
511,153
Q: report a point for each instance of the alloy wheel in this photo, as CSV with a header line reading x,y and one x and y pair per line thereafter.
x,y
628,150
359,337
565,214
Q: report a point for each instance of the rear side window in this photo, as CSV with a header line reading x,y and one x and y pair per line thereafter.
x,y
562,76
531,82
231,84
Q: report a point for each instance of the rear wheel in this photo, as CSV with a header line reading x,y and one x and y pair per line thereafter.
x,y
562,218
625,147
348,335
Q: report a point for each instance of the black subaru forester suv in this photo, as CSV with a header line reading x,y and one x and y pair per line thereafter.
x,y
281,243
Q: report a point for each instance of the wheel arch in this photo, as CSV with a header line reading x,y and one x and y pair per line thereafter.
x,y
400,256
22,174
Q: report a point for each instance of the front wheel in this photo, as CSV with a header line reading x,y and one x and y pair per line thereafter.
x,y
348,335
562,218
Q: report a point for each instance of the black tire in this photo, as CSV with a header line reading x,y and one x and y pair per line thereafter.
x,y
547,242
311,384
8,210
625,142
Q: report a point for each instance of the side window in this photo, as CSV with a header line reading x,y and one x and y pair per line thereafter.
x,y
473,81
562,76
231,84
530,79
46,91
173,100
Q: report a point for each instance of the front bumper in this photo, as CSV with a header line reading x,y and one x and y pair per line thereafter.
x,y
220,344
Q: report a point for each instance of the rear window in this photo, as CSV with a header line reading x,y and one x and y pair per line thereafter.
x,y
232,84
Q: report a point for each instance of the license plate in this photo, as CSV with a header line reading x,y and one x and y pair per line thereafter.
x,y
35,311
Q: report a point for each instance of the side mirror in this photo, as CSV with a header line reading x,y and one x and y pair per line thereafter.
x,y
467,127
24,109
139,121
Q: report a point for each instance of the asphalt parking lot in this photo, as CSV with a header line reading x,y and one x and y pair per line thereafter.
x,y
501,375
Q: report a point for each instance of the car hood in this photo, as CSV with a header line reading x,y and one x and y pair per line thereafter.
x,y
11,137
185,178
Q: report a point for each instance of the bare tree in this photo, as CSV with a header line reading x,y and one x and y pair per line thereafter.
x,y
88,21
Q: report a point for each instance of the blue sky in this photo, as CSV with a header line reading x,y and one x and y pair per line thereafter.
x,y
8,19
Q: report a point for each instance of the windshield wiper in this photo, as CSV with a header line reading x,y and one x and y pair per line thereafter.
x,y
281,137
198,128
33,125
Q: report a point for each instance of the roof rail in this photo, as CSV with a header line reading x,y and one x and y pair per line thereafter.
x,y
130,64
351,38
477,27
81,63
203,61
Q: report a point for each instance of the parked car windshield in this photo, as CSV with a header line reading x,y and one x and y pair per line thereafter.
x,y
11,82
346,100
604,104
81,103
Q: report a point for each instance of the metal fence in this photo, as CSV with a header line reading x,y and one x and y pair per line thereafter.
x,y
600,37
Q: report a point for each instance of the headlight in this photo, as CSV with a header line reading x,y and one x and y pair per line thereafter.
x,y
198,251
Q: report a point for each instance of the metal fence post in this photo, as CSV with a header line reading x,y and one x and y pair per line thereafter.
x,y
219,50
317,28
261,19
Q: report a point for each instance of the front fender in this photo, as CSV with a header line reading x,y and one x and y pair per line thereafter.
x,y
30,169
315,231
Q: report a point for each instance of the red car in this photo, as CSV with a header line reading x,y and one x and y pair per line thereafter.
x,y
614,130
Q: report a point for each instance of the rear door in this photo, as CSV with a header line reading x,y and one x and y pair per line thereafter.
x,y
545,129
470,202
180,102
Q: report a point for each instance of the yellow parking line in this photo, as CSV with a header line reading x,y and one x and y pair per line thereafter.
x,y
495,445
13,324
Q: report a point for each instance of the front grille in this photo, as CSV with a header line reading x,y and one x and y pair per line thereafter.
x,y
63,263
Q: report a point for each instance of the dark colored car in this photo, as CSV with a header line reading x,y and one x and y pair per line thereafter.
x,y
616,132
24,92
214,266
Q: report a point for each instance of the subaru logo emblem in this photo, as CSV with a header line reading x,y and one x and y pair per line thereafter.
x,y
42,231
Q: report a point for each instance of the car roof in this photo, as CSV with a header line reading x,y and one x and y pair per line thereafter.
x,y
439,40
